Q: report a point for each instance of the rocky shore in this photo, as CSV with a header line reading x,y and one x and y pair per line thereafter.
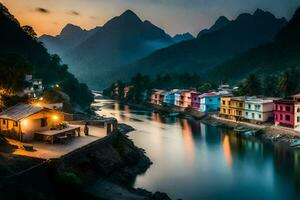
x,y
106,171
268,133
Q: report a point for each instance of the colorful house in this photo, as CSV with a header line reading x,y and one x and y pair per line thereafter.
x,y
237,105
178,100
195,100
22,121
284,112
169,98
156,97
225,110
186,98
209,102
258,109
296,98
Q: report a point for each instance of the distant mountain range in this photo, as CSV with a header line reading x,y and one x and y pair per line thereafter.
x,y
269,59
70,36
223,41
126,45
121,40
182,37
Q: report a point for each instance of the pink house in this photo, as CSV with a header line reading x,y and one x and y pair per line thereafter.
x,y
195,100
284,112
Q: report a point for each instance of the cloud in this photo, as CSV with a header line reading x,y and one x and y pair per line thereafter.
x,y
42,10
73,12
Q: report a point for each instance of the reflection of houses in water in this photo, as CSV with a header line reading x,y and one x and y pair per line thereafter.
x,y
188,139
227,151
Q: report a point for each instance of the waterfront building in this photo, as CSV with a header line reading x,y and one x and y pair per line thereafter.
x,y
169,98
237,105
195,100
258,109
186,98
296,98
22,121
284,112
178,100
225,110
210,102
157,97
225,90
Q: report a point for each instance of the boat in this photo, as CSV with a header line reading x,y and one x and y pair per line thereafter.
x,y
173,114
240,129
295,144
249,133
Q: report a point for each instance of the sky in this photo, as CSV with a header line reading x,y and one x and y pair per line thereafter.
x,y
174,16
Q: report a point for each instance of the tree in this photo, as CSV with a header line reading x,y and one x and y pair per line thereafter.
x,y
251,86
29,30
286,84
270,85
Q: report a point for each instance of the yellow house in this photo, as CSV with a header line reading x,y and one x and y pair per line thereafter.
x,y
225,110
23,120
237,105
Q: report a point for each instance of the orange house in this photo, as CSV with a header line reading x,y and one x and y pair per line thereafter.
x,y
22,121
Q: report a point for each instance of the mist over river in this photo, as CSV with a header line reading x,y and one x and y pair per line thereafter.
x,y
195,161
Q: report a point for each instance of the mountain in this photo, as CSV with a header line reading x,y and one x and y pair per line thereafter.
x,y
211,49
220,23
121,40
272,58
22,42
70,36
182,37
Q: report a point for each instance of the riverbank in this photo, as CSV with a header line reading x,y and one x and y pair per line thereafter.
x,y
269,132
114,162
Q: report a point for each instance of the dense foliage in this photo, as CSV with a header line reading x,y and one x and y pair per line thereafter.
x,y
22,42
141,83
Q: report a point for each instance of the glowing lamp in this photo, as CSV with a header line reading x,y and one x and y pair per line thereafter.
x,y
42,98
24,122
55,117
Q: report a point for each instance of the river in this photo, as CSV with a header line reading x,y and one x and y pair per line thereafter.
x,y
194,161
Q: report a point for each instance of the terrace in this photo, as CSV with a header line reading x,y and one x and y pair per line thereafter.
x,y
45,150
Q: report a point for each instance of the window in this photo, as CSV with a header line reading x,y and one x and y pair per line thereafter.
x,y
249,106
253,115
210,100
298,109
259,116
298,119
287,117
44,122
16,124
280,116
287,108
223,102
241,105
276,107
281,108
4,121
246,113
229,111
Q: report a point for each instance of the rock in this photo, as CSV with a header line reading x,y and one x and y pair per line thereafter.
x,y
160,196
124,128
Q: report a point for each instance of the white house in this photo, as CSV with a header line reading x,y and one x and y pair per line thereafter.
x,y
258,109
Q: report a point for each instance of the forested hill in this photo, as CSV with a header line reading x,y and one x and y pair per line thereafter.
x,y
225,40
22,42
271,58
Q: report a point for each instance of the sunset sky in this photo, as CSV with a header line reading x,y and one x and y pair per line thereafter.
x,y
175,16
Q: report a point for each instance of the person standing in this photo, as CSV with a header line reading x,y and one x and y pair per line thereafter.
x,y
86,130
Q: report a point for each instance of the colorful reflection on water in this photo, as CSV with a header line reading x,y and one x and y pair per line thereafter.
x,y
196,161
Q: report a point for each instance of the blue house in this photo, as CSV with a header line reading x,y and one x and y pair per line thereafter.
x,y
209,102
169,98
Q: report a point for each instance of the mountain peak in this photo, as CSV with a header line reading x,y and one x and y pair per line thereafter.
x,y
260,12
129,14
222,20
70,29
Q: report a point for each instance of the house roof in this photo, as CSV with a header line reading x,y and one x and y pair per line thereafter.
x,y
20,111
210,94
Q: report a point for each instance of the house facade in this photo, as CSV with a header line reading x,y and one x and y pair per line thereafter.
x,y
23,120
237,105
225,110
209,102
195,100
156,97
169,98
258,109
186,98
284,112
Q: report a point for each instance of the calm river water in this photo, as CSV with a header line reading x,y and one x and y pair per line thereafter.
x,y
194,161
